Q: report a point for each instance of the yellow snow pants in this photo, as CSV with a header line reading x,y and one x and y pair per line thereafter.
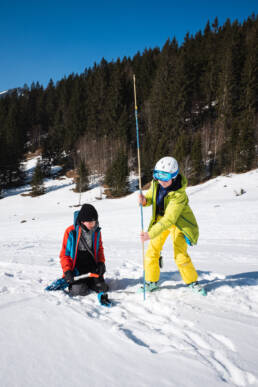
x,y
182,259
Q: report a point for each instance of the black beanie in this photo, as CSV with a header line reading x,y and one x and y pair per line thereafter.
x,y
87,213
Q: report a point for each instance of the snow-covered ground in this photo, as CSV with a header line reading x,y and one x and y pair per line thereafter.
x,y
173,338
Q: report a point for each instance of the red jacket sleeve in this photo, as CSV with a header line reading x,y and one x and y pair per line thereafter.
x,y
65,258
101,256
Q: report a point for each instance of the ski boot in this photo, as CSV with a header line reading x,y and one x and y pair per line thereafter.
x,y
197,288
104,300
149,287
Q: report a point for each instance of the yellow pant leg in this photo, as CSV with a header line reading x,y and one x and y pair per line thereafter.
x,y
182,259
151,262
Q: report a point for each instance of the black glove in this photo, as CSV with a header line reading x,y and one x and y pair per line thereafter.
x,y
69,276
101,268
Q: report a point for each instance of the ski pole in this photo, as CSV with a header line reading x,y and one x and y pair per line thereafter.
x,y
139,173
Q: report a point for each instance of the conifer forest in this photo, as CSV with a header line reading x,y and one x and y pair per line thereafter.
x,y
197,102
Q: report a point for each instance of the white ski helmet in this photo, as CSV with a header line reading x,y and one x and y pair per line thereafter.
x,y
168,165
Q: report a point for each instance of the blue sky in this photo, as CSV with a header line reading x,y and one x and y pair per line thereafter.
x,y
47,39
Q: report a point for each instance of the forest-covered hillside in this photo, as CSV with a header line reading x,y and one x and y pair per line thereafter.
x,y
197,102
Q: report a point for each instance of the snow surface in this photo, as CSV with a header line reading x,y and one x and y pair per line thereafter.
x,y
173,338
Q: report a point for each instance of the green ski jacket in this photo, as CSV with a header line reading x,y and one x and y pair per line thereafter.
x,y
177,212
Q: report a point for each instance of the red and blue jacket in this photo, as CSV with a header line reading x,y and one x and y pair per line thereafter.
x,y
69,250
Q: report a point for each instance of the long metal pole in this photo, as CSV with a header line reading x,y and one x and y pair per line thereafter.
x,y
139,173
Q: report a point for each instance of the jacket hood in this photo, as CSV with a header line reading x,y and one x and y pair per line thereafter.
x,y
183,182
75,216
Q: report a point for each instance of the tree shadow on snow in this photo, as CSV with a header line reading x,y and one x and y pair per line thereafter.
x,y
26,189
57,187
234,280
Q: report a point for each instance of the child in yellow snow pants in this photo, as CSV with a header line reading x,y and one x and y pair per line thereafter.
x,y
182,259
172,215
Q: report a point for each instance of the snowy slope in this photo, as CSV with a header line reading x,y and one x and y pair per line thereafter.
x,y
173,338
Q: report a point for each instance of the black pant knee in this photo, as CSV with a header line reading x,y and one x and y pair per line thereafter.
x,y
79,288
98,284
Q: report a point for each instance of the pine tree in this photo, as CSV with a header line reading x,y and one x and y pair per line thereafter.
x,y
37,181
245,153
196,159
248,133
117,175
182,151
82,180
1,186
12,138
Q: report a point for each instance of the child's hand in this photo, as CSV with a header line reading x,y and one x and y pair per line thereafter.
x,y
101,268
144,236
69,276
142,199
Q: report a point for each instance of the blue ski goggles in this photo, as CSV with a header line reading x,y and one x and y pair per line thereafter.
x,y
164,176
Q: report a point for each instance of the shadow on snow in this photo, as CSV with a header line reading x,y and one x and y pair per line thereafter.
x,y
233,281
25,189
